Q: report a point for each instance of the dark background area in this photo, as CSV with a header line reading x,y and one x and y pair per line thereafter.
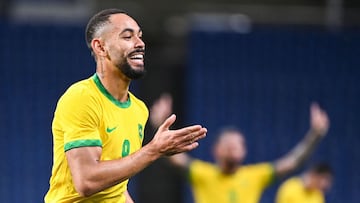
x,y
254,64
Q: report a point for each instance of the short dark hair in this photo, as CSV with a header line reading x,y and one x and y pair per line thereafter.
x,y
321,168
97,21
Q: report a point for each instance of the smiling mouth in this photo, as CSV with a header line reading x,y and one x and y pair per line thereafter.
x,y
137,57
137,54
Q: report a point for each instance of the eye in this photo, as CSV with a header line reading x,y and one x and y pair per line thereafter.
x,y
127,37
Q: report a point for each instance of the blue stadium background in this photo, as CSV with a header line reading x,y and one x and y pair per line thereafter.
x,y
262,82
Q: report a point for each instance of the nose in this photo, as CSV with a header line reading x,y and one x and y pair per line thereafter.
x,y
139,43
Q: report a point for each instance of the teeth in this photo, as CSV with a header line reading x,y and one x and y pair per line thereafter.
x,y
138,56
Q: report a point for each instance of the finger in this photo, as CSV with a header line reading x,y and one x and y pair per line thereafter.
x,y
196,135
167,123
314,107
192,137
201,134
187,147
187,130
190,146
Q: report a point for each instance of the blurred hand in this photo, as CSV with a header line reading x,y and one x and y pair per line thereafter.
x,y
161,109
319,120
169,142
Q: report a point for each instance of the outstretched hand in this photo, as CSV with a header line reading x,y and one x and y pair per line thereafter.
x,y
169,142
319,120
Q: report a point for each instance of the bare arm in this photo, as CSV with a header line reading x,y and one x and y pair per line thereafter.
x,y
319,126
90,175
181,160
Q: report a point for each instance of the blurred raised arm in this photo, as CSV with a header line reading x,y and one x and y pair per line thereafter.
x,y
319,125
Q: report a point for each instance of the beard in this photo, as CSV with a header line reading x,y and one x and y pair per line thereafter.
x,y
129,71
231,163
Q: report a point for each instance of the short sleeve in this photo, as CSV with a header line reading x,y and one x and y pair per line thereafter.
x,y
78,116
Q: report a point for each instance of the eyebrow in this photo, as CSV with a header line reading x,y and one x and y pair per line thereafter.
x,y
130,30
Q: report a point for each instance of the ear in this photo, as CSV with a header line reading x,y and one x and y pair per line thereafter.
x,y
98,47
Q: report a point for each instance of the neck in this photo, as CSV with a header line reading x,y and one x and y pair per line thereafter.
x,y
306,180
226,169
116,83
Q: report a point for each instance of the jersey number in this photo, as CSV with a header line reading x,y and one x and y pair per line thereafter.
x,y
125,148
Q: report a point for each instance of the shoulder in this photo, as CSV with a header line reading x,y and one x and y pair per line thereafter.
x,y
138,103
136,100
293,182
200,171
265,166
262,173
290,190
80,96
83,88
200,165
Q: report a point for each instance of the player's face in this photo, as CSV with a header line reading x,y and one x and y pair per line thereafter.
x,y
323,182
230,149
126,50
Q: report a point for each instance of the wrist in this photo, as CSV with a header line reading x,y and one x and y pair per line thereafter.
x,y
151,151
318,134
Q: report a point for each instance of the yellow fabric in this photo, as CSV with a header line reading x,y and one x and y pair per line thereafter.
x,y
87,115
246,185
293,191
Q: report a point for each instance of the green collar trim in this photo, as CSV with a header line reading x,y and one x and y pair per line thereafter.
x,y
102,89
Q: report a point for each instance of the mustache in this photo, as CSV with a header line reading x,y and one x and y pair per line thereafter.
x,y
142,51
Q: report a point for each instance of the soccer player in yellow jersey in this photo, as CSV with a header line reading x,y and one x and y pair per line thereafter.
x,y
227,181
309,187
98,125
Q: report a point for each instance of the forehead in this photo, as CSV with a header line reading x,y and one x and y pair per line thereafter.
x,y
230,137
122,21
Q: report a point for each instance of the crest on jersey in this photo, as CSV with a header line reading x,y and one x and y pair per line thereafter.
x,y
140,130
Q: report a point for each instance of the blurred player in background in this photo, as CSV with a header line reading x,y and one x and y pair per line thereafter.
x,y
161,182
98,126
228,181
310,187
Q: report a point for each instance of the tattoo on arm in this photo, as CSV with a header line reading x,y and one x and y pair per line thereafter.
x,y
296,157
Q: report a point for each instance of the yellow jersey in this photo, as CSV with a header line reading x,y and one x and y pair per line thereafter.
x,y
210,185
87,115
294,191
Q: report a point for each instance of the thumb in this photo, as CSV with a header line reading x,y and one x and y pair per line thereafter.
x,y
314,107
167,123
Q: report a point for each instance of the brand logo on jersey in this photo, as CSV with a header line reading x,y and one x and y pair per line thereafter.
x,y
140,129
109,130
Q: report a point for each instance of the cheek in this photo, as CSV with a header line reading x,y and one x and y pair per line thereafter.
x,y
325,184
116,52
240,153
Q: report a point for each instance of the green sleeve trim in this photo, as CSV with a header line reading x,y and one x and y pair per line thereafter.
x,y
82,143
102,89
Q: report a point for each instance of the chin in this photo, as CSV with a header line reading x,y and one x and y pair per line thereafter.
x,y
232,164
133,72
